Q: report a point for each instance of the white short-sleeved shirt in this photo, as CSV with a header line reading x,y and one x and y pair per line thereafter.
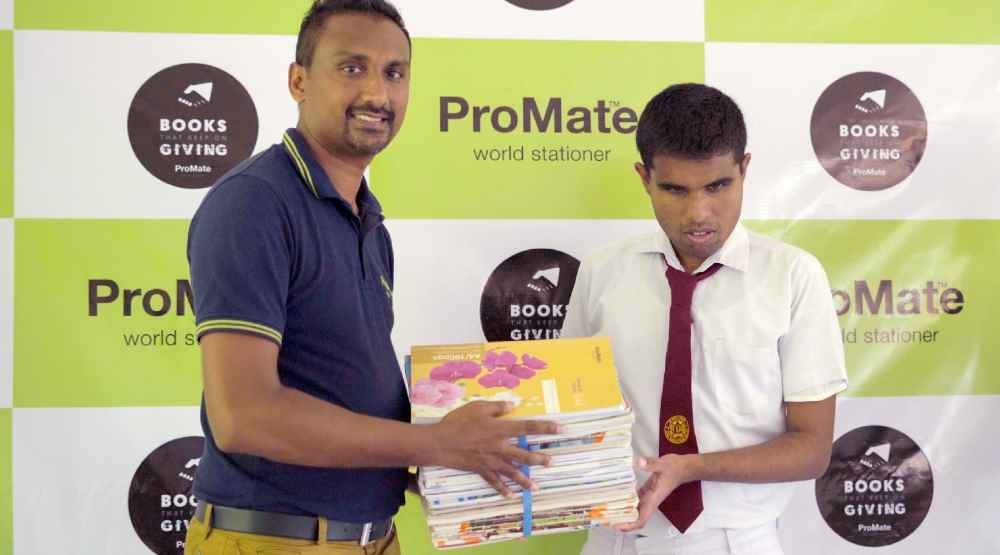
x,y
765,332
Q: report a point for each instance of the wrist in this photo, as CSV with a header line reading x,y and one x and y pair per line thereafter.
x,y
429,448
691,467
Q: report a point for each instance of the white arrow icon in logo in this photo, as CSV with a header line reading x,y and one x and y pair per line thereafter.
x,y
552,275
883,451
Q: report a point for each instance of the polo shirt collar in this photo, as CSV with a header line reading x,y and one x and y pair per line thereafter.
x,y
734,253
315,180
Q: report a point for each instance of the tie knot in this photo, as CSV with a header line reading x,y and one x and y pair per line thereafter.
x,y
681,278
682,284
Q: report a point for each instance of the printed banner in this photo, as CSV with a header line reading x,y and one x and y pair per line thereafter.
x,y
873,134
623,20
103,315
6,124
6,311
865,132
171,114
899,482
521,140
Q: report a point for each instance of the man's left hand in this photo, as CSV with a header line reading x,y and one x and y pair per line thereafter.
x,y
666,473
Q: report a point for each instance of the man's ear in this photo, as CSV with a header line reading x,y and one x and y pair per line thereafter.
x,y
643,172
296,82
744,164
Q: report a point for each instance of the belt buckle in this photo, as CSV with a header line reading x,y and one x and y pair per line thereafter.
x,y
366,533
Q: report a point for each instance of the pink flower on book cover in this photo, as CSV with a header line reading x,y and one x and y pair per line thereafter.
x,y
500,378
506,358
455,370
435,393
490,360
533,362
522,372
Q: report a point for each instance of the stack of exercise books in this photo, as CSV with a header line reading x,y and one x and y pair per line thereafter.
x,y
591,480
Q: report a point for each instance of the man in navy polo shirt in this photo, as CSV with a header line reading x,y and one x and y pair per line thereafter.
x,y
305,410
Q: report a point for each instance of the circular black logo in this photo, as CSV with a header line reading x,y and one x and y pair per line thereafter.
x,y
159,499
539,4
526,295
191,123
869,131
878,488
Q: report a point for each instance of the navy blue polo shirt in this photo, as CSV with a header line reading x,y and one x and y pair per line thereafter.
x,y
276,252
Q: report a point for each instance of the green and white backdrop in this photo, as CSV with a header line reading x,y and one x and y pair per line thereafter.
x,y
874,125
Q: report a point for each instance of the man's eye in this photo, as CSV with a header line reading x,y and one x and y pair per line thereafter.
x,y
394,74
352,69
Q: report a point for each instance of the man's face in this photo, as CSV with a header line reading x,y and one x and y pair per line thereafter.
x,y
696,202
353,96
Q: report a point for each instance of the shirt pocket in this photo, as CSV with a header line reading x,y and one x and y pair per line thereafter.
x,y
745,379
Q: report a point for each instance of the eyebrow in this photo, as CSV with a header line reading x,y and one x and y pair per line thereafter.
x,y
345,55
722,182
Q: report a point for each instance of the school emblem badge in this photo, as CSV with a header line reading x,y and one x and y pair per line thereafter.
x,y
676,430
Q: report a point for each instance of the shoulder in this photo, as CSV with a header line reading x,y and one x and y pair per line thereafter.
x,y
609,265
783,260
613,254
261,185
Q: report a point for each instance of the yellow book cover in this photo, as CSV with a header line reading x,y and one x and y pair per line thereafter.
x,y
564,378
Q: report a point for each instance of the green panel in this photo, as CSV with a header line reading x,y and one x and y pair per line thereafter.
x,y
180,16
66,357
853,21
6,492
6,124
445,180
416,540
927,353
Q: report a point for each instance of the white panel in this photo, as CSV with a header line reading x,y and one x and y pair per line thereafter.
x,y
6,14
75,466
73,156
442,267
630,20
6,311
777,85
956,435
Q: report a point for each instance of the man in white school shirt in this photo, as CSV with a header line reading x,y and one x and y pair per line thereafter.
x,y
723,429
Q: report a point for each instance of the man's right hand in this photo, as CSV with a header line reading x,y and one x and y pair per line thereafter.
x,y
473,438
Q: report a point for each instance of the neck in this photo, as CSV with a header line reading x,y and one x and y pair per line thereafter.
x,y
689,264
345,173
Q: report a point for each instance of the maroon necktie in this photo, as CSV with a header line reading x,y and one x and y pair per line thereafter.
x,y
684,504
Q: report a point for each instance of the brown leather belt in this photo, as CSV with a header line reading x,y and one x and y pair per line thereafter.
x,y
291,526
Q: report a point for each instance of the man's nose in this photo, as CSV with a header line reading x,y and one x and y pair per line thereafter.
x,y
375,91
699,208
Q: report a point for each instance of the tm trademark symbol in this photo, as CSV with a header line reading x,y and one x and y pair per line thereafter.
x,y
614,103
942,284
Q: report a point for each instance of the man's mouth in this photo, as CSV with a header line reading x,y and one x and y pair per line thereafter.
x,y
370,117
700,235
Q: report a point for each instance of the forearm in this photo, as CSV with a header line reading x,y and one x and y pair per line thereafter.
x,y
287,425
792,456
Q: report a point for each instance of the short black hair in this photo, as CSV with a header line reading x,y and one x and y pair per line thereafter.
x,y
693,121
320,10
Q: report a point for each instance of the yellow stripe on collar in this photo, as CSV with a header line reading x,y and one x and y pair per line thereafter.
x,y
303,168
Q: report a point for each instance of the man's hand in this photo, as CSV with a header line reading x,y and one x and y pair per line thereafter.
x,y
473,438
667,473
802,452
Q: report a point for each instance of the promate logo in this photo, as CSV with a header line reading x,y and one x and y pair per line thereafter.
x,y
160,502
539,5
869,131
526,295
191,123
878,488
534,115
